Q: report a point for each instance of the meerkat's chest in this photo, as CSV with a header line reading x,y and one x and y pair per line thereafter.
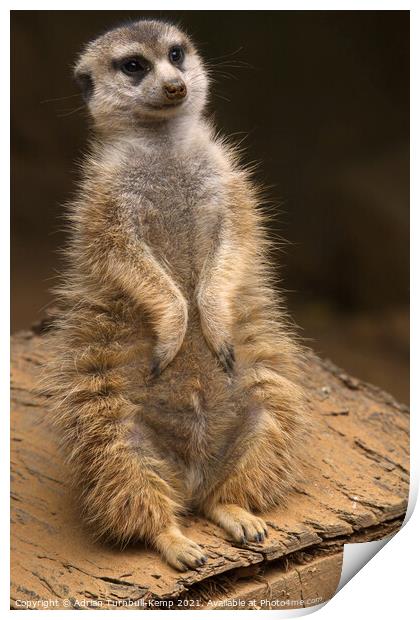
x,y
178,206
171,190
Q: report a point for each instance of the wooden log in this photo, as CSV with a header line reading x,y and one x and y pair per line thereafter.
x,y
299,582
354,488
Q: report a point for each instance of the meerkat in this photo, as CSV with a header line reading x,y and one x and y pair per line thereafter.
x,y
176,378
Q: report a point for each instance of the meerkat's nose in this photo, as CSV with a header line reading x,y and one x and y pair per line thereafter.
x,y
175,89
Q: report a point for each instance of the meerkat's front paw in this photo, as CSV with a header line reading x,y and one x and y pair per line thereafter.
x,y
240,524
216,323
160,360
155,369
218,341
170,336
179,551
226,355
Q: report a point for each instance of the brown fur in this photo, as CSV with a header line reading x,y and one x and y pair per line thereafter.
x,y
175,379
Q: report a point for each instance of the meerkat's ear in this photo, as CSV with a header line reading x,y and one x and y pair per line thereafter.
x,y
84,81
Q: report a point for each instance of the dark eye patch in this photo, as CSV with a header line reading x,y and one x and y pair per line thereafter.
x,y
86,85
135,67
176,54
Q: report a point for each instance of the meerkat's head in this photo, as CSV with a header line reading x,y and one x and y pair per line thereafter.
x,y
147,71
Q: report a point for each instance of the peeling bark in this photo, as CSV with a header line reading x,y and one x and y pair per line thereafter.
x,y
354,488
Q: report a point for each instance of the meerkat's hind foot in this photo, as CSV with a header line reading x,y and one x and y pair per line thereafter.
x,y
240,524
179,551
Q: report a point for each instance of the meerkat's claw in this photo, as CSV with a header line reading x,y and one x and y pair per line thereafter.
x,y
226,356
155,369
240,524
179,551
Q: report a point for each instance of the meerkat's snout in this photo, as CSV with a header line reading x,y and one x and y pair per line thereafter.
x,y
175,90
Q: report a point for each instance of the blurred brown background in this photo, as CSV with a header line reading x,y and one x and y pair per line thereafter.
x,y
320,99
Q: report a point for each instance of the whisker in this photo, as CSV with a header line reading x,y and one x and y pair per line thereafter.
x,y
221,97
226,55
70,112
59,98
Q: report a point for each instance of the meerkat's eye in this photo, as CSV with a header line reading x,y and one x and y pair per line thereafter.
x,y
134,66
176,54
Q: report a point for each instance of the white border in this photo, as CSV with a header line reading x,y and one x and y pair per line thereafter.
x,y
385,588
